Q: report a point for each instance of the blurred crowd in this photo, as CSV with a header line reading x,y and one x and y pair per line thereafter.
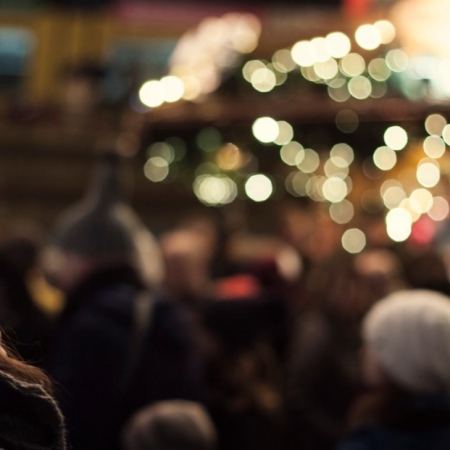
x,y
208,336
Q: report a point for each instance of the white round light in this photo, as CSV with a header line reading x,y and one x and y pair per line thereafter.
x,y
259,188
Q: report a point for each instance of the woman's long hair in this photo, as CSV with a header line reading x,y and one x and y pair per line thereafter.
x,y
12,365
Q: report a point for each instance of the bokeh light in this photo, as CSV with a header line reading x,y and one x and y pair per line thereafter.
x,y
292,153
314,188
152,94
342,212
209,139
338,44
250,67
386,30
434,146
336,166
319,49
360,87
259,187
393,196
421,200
285,133
378,69
434,124
440,209
156,169
310,162
384,158
296,184
446,134
368,37
163,150
282,61
263,79
352,65
215,190
229,157
337,90
326,69
334,189
303,54
354,240
396,137
397,60
343,151
347,121
428,173
398,224
265,129
173,88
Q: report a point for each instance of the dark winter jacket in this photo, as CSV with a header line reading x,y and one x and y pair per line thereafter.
x,y
415,423
94,346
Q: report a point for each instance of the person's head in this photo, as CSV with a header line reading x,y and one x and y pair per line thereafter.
x,y
407,342
170,425
101,231
29,416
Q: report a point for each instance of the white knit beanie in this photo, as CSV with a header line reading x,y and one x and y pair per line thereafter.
x,y
410,333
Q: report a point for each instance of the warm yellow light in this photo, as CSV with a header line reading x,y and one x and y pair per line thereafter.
x,y
396,138
434,124
398,224
303,54
259,188
173,88
440,209
434,146
152,94
428,174
310,162
342,212
229,157
354,241
421,200
384,158
334,189
265,129
353,65
387,31
368,37
338,44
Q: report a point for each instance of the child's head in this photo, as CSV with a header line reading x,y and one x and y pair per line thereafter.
x,y
170,425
